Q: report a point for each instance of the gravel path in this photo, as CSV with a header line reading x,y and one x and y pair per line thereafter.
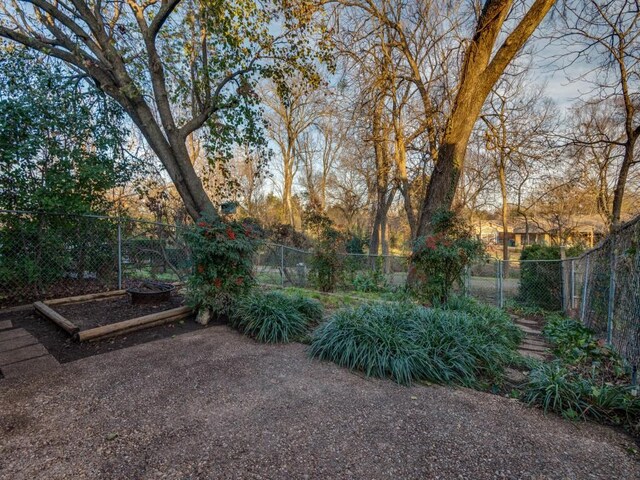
x,y
213,404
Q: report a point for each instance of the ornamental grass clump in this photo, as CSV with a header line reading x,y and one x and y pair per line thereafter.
x,y
274,317
310,308
410,343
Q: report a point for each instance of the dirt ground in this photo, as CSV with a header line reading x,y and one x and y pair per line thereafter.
x,y
213,404
103,312
65,349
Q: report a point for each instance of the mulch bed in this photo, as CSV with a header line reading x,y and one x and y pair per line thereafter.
x,y
65,287
95,313
104,312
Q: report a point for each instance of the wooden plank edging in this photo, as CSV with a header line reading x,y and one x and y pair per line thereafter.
x,y
85,298
134,324
56,318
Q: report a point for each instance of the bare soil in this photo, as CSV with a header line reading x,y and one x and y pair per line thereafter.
x,y
104,312
65,349
66,287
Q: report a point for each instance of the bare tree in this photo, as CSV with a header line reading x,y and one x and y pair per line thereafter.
x,y
290,114
606,36
482,67
518,125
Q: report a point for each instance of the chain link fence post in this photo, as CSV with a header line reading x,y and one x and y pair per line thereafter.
x,y
572,283
282,265
585,290
500,284
612,290
119,254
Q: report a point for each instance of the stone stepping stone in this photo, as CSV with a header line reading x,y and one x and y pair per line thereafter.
x,y
530,330
9,334
17,342
530,354
32,366
20,354
5,325
524,321
535,341
534,348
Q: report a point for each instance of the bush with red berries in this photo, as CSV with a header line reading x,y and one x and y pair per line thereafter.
x,y
439,260
222,253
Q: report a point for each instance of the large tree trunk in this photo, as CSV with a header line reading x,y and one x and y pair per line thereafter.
x,y
480,71
287,202
618,193
175,158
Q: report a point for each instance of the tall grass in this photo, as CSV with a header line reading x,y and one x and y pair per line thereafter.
x,y
464,344
274,317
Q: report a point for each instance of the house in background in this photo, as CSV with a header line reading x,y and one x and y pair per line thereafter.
x,y
585,230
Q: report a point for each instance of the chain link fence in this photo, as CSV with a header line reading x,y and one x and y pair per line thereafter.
x,y
48,256
611,290
291,267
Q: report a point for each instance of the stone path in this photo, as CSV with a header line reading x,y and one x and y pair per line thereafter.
x,y
20,352
533,345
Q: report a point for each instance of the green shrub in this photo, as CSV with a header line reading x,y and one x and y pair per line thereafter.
x,y
371,279
222,254
273,317
541,281
572,341
438,261
327,263
558,388
588,380
409,343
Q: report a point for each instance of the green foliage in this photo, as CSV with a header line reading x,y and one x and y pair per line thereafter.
x,y
438,261
327,260
541,282
371,279
310,308
463,345
222,253
588,380
62,149
356,244
61,140
573,342
558,388
275,317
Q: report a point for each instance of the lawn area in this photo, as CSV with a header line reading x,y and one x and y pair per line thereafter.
x,y
215,404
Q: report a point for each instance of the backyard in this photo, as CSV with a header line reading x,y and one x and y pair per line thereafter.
x,y
214,404
299,239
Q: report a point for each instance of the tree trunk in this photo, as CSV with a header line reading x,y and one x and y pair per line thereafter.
x,y
618,194
505,210
482,68
175,158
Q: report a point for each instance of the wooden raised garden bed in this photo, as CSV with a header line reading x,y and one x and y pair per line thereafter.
x,y
96,332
